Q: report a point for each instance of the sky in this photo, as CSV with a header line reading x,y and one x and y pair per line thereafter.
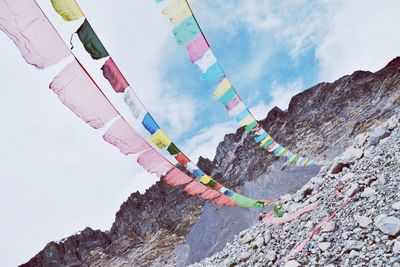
x,y
58,175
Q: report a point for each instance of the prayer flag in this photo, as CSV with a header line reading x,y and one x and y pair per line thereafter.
x,y
68,9
125,138
78,92
91,42
114,76
26,25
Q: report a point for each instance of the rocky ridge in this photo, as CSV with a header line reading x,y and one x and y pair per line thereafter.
x,y
165,227
365,233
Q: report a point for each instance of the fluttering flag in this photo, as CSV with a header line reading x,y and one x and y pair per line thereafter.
x,y
177,10
160,139
150,124
195,188
78,92
26,25
68,9
186,31
173,149
154,162
213,74
91,42
197,47
206,61
125,138
177,177
134,103
114,76
245,202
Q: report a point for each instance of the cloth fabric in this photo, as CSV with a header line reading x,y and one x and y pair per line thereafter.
x,y
246,120
160,139
262,139
197,47
206,61
26,25
182,159
154,162
222,87
67,9
213,74
150,124
173,149
267,143
91,42
234,102
205,179
195,188
242,115
176,10
239,108
176,177
249,127
227,97
78,92
125,138
186,31
243,201
210,194
134,103
198,173
114,76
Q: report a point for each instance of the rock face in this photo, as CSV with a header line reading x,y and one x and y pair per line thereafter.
x,y
366,231
165,227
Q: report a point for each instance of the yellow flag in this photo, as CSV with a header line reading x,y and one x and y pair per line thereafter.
x,y
160,139
68,9
205,179
223,86
177,10
265,140
246,120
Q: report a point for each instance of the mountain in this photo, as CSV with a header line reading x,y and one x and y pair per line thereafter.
x,y
355,216
164,227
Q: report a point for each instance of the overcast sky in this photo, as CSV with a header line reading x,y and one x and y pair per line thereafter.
x,y
58,175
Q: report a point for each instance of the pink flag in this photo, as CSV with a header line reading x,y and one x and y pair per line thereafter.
x,y
32,33
114,76
154,162
78,92
177,177
234,102
224,201
210,194
125,138
195,188
291,217
197,47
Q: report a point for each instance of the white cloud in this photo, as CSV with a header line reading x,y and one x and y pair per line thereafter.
x,y
206,141
362,35
280,97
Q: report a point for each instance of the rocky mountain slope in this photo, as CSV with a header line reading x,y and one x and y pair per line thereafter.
x,y
164,227
366,232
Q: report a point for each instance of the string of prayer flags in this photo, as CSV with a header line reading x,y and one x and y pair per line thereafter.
x,y
122,136
114,76
79,93
26,25
67,9
91,41
200,53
